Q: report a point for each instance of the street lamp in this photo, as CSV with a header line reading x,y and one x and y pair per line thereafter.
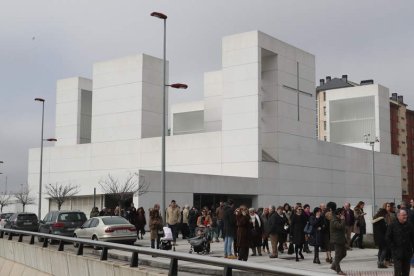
x,y
368,140
164,108
41,155
5,185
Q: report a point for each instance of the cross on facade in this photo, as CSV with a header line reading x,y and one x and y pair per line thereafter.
x,y
298,91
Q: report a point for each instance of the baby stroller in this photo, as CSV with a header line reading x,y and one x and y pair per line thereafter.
x,y
166,240
200,243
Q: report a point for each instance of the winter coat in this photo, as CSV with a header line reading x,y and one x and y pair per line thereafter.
x,y
140,220
316,235
243,230
360,225
297,226
390,218
380,229
173,215
277,224
184,215
337,231
155,224
400,238
94,213
229,220
349,217
192,218
265,225
256,231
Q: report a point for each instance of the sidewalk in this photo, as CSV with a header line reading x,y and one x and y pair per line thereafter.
x,y
357,261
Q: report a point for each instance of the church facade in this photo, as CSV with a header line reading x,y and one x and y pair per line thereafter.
x,y
256,142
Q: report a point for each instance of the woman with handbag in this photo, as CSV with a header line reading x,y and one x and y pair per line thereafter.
x,y
316,222
155,225
360,226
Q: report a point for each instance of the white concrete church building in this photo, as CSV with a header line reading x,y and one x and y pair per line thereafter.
x,y
252,139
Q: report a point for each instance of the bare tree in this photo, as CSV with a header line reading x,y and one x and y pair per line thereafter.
x,y
24,197
5,200
59,193
121,191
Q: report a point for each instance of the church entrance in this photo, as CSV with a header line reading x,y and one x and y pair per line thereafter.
x,y
213,200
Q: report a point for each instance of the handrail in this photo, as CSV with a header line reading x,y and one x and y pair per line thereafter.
x,y
228,265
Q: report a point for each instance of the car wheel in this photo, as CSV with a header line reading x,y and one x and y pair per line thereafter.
x,y
95,238
75,244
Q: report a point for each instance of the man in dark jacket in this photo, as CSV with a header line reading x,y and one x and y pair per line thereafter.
x,y
337,231
229,229
349,223
400,238
277,223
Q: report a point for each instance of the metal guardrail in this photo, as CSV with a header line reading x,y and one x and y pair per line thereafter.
x,y
226,264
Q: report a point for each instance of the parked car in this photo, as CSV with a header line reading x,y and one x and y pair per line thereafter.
x,y
3,218
61,223
23,221
107,228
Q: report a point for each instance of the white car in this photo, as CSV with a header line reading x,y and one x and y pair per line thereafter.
x,y
107,228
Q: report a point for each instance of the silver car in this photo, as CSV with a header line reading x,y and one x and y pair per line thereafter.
x,y
107,228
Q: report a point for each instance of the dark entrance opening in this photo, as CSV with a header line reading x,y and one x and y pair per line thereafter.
x,y
111,201
213,200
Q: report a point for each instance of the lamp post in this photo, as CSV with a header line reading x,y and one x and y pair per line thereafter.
x,y
41,155
5,186
367,140
164,109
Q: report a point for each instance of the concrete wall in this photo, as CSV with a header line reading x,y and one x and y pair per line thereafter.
x,y
21,259
73,109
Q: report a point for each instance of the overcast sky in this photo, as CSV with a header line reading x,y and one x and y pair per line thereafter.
x,y
43,41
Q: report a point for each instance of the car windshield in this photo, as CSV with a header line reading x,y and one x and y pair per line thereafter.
x,y
114,220
27,217
5,216
72,217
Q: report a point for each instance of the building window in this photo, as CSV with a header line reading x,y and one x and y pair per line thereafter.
x,y
403,142
324,96
324,138
403,154
404,179
324,125
402,118
404,167
324,110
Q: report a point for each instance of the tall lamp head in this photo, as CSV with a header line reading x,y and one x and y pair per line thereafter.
x,y
159,15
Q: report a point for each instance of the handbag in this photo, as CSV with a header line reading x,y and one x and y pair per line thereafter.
x,y
291,249
308,228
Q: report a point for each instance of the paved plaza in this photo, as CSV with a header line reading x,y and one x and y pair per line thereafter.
x,y
357,261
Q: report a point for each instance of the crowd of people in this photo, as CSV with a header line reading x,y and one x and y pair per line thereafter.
x,y
295,229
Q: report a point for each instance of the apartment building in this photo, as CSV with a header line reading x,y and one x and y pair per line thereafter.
x,y
363,109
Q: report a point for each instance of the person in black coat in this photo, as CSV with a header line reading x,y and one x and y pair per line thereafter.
x,y
229,229
380,229
400,237
277,222
297,226
316,240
